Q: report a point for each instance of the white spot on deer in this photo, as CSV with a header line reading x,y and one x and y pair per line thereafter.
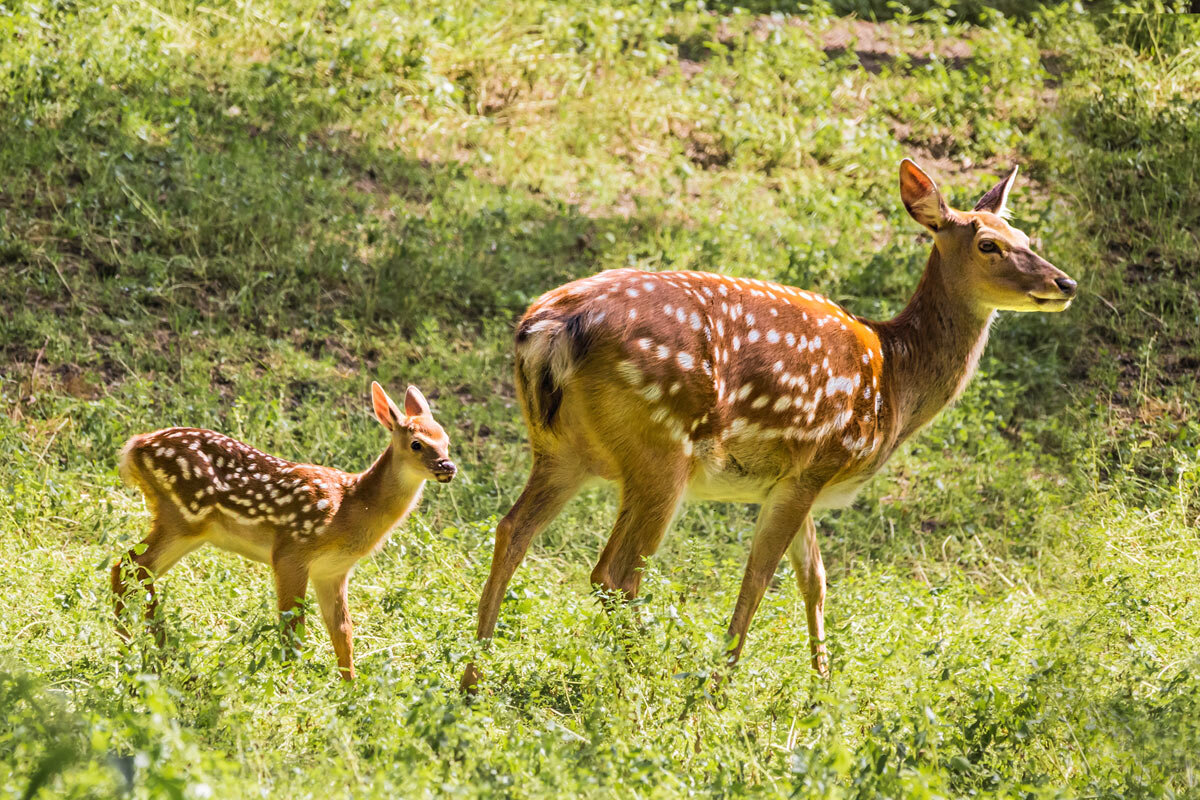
x,y
723,289
681,316
685,360
842,419
643,344
630,373
743,392
772,336
648,286
737,343
835,385
782,403
675,387
760,401
652,392
720,328
790,338
633,313
631,292
668,309
662,352
183,468
778,366
695,320
753,335
322,504
749,318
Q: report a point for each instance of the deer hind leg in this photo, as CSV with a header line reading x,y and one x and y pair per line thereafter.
x,y
552,482
782,515
335,611
649,500
167,542
805,555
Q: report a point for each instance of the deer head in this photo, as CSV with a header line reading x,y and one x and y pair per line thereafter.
x,y
419,442
994,266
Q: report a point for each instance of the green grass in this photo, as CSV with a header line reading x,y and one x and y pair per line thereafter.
x,y
236,215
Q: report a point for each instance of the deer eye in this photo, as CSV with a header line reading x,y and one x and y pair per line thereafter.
x,y
416,446
988,246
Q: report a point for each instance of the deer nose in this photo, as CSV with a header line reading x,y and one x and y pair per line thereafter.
x,y
444,470
1066,286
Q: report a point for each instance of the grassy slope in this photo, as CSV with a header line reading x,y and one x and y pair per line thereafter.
x,y
235,216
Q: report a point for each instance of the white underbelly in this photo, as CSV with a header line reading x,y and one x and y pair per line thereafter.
x,y
252,541
727,486
840,495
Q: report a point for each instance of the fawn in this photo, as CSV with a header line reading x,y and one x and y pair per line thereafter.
x,y
304,520
677,384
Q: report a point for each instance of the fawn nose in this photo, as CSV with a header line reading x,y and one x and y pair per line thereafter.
x,y
1066,286
444,470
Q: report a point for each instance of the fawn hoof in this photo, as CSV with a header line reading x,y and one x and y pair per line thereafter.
x,y
469,685
820,661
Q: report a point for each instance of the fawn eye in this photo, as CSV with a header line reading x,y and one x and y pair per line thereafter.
x,y
988,246
416,446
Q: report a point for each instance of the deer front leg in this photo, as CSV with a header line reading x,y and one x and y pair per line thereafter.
x,y
291,584
805,555
335,611
782,515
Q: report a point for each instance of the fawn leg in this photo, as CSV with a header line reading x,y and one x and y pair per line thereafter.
x,y
164,546
805,555
335,611
291,584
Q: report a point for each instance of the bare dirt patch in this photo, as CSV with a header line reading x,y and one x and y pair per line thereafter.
x,y
880,44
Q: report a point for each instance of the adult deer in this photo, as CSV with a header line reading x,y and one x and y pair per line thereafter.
x,y
690,383
304,520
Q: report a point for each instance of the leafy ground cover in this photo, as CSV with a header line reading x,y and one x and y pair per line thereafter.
x,y
236,215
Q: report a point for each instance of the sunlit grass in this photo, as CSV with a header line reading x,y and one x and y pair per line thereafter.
x,y
236,216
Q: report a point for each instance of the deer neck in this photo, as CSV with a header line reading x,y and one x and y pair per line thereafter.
x,y
932,347
382,495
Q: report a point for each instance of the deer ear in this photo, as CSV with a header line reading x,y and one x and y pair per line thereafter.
x,y
997,197
922,198
414,403
385,410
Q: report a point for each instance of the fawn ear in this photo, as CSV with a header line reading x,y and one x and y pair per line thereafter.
x,y
997,197
922,198
385,410
414,403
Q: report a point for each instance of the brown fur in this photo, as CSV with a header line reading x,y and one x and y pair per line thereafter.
x,y
744,390
306,521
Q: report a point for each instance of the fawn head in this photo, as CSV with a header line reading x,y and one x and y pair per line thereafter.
x,y
993,264
418,441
